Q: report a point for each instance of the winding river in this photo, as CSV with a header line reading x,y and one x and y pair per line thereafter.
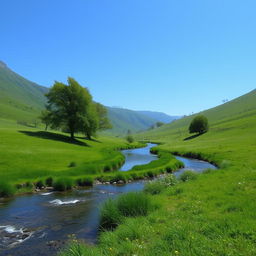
x,y
40,224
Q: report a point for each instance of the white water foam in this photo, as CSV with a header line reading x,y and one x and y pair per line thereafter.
x,y
11,229
46,194
9,240
60,202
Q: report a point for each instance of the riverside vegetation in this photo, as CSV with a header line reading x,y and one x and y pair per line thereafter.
x,y
212,213
32,158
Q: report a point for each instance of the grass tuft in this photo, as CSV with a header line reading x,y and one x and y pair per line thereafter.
x,y
6,189
188,175
63,184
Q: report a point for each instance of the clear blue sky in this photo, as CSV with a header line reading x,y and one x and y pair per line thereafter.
x,y
175,56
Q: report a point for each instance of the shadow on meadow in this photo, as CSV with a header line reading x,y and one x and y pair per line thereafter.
x,y
91,139
54,136
193,136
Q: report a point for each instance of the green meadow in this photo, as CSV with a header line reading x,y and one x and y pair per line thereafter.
x,y
30,154
212,213
33,158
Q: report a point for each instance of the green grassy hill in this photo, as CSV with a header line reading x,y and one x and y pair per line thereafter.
x,y
238,108
20,99
125,119
212,214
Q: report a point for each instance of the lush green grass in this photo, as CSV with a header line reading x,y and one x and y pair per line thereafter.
x,y
158,186
165,163
132,204
213,214
28,154
43,158
6,189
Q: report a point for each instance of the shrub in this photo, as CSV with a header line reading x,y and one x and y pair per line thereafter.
x,y
169,180
150,174
62,184
129,138
88,181
29,184
49,181
133,204
154,188
134,176
6,189
18,186
110,216
199,125
39,184
107,168
119,176
168,169
72,164
188,175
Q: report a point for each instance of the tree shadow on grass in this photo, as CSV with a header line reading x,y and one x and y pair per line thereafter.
x,y
92,139
193,136
54,136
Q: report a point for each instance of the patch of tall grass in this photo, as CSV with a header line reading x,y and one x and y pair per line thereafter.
x,y
131,204
63,184
158,186
188,175
110,216
6,189
85,182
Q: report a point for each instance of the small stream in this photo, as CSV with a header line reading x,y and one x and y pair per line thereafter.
x,y
40,224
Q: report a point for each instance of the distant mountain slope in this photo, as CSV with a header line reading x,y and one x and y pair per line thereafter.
x,y
20,99
238,108
125,119
159,116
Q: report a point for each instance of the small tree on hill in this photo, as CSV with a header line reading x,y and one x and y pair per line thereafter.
x,y
199,125
159,124
129,138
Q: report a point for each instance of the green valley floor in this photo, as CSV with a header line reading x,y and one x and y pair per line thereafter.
x,y
214,214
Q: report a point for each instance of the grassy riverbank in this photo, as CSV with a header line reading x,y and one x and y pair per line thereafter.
x,y
31,155
32,158
213,214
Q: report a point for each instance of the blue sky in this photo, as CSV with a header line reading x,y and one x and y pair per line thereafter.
x,y
174,56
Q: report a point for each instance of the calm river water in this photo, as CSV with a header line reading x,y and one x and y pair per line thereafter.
x,y
40,224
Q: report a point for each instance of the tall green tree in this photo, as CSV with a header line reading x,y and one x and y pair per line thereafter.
x,y
199,125
102,113
69,106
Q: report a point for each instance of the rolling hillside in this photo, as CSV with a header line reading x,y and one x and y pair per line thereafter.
x,y
125,119
238,108
162,117
22,100
212,213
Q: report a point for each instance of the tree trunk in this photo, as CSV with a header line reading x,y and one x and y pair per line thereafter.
x,y
72,134
88,136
